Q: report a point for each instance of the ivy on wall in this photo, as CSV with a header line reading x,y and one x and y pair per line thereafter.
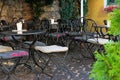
x,y
71,8
66,8
85,3
109,2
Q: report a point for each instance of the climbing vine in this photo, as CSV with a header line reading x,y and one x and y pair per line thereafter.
x,y
71,8
66,8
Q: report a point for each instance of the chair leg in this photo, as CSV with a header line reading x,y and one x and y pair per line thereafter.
x,y
9,71
13,77
60,66
37,64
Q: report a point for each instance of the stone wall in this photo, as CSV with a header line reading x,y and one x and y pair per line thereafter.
x,y
10,9
51,11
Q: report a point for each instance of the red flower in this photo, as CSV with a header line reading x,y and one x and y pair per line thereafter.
x,y
110,8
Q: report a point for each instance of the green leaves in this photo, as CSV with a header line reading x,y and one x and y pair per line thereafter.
x,y
107,66
115,22
67,9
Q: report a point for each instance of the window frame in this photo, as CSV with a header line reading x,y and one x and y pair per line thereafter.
x,y
106,3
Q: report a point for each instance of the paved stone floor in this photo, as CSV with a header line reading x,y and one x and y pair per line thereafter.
x,y
79,66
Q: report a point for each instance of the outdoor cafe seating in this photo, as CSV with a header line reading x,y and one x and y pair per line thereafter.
x,y
5,26
10,60
56,33
52,52
42,53
90,31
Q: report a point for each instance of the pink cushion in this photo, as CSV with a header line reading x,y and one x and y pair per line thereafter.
x,y
13,54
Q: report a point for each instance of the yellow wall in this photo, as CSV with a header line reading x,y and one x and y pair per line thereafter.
x,y
96,11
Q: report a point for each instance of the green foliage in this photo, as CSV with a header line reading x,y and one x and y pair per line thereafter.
x,y
85,3
69,8
117,1
66,8
107,66
115,22
76,8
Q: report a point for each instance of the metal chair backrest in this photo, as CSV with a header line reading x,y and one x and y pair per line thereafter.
x,y
45,25
90,26
77,25
4,25
62,24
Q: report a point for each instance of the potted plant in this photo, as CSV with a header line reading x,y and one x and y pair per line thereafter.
x,y
107,64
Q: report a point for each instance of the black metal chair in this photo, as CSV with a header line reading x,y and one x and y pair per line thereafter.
x,y
52,54
92,39
57,36
9,60
101,38
45,27
76,28
5,26
89,31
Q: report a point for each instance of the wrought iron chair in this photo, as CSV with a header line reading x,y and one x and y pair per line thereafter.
x,y
92,39
44,26
57,36
5,26
89,31
9,60
51,55
102,38
76,29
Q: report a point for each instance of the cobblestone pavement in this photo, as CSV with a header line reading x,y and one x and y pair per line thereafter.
x,y
79,66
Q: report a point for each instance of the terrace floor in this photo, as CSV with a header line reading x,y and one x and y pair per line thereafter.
x,y
77,64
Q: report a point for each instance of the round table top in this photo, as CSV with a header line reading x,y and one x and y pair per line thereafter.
x,y
29,32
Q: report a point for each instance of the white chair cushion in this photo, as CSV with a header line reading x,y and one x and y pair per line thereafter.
x,y
51,48
99,41
5,48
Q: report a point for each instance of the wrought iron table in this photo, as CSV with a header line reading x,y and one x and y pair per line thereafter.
x,y
35,33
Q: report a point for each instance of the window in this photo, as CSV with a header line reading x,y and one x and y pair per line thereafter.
x,y
110,5
109,2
